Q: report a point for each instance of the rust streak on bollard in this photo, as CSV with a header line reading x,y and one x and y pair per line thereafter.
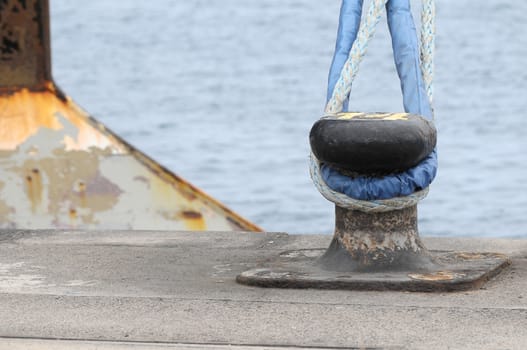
x,y
376,242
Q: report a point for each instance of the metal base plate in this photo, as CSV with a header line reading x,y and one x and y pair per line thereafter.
x,y
455,271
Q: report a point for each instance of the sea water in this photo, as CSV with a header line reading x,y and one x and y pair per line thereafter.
x,y
224,94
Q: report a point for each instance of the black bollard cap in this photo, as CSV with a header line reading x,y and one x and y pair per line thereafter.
x,y
373,143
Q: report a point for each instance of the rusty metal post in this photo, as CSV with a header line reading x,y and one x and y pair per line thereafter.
x,y
380,251
25,55
387,241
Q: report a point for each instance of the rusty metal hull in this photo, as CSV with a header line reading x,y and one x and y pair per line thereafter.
x,y
59,167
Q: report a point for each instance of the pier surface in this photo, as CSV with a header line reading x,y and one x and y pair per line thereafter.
x,y
176,290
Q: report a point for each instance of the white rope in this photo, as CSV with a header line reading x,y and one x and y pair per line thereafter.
x,y
343,88
428,30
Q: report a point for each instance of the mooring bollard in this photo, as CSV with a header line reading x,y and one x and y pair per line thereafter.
x,y
369,242
375,247
370,146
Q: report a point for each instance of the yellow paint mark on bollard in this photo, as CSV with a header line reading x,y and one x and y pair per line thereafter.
x,y
437,276
366,116
349,115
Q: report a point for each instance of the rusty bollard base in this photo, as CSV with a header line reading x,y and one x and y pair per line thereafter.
x,y
455,271
377,251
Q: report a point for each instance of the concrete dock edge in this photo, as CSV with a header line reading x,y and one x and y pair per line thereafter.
x,y
162,289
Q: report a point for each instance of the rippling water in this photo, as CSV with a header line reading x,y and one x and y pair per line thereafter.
x,y
224,94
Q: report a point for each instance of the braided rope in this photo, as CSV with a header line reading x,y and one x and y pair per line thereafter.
x,y
428,46
358,50
343,88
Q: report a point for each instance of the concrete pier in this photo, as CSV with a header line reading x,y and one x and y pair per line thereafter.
x,y
164,290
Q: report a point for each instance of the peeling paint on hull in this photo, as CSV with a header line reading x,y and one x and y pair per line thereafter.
x,y
60,168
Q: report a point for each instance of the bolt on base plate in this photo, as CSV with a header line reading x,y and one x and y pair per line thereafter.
x,y
455,271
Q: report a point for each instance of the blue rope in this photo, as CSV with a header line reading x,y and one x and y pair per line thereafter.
x,y
415,100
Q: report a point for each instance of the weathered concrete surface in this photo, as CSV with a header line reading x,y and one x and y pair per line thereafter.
x,y
45,344
178,288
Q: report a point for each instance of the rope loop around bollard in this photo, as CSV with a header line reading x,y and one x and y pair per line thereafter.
x,y
373,206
